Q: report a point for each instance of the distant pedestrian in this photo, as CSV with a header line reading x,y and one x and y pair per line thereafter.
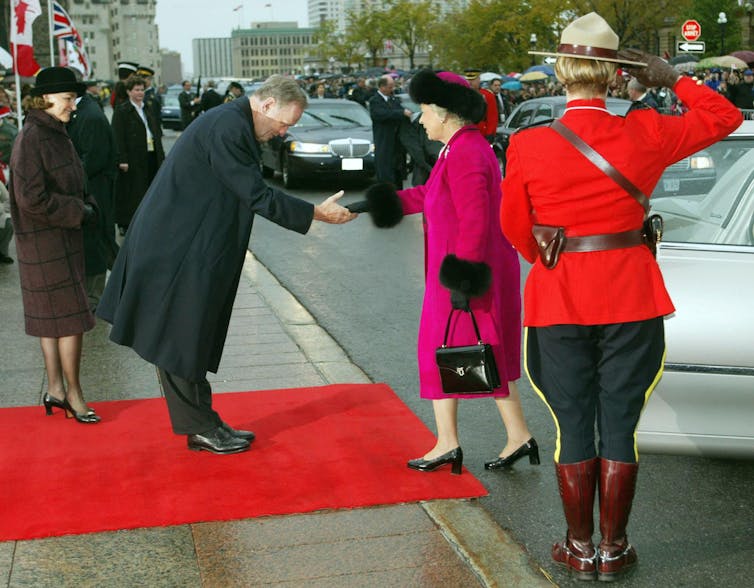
x,y
171,291
235,90
742,93
152,100
387,114
189,103
488,125
48,210
139,152
210,97
119,94
640,96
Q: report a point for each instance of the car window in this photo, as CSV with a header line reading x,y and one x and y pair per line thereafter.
x,y
521,117
709,197
335,114
544,112
170,99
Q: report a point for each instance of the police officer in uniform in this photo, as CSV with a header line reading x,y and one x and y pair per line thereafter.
x,y
152,100
595,342
119,95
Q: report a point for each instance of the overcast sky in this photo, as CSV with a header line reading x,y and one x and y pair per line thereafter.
x,y
179,21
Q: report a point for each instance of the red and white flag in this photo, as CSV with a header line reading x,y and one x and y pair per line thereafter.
x,y
21,45
73,52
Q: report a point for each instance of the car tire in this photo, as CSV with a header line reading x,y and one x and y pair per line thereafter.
x,y
289,180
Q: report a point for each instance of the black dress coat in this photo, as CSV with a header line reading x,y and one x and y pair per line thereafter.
x,y
93,139
387,116
171,290
131,148
47,209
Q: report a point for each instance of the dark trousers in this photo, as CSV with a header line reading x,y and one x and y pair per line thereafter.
x,y
189,404
599,373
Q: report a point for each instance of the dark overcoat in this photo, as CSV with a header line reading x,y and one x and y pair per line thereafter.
x,y
387,116
93,139
171,290
131,148
47,208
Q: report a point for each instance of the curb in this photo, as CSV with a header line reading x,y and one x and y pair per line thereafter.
x,y
490,552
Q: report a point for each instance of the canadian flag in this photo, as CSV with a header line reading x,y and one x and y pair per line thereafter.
x,y
21,46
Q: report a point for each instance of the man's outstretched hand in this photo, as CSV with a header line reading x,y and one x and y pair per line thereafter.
x,y
329,211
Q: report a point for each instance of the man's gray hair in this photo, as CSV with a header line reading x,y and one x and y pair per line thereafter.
x,y
634,84
284,90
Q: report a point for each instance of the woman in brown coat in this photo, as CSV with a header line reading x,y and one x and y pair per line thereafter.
x,y
48,209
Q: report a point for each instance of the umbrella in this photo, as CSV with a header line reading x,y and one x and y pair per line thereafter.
x,y
488,76
514,75
512,85
534,76
543,68
747,56
721,61
683,58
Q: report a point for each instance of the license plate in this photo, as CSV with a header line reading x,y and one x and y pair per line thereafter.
x,y
352,164
671,185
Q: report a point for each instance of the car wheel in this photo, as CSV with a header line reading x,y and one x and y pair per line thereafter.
x,y
289,181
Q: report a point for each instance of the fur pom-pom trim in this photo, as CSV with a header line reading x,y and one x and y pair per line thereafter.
x,y
385,207
426,87
470,278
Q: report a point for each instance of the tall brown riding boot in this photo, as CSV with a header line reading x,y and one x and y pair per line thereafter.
x,y
577,483
617,487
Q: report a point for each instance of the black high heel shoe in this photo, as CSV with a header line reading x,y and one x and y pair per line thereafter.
x,y
529,448
88,417
454,457
50,401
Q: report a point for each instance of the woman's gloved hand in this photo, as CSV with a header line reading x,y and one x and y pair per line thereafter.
x,y
657,73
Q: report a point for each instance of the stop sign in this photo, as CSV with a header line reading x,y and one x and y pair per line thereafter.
x,y
691,30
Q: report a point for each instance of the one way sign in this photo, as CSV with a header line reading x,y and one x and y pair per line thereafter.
x,y
691,46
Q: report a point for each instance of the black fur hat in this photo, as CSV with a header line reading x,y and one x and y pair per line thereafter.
x,y
449,91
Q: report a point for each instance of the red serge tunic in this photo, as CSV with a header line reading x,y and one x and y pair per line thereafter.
x,y
551,183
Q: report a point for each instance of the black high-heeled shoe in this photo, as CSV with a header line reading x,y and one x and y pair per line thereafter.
x,y
50,401
88,417
529,448
454,457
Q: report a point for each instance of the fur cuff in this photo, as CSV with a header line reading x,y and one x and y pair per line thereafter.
x,y
471,278
385,207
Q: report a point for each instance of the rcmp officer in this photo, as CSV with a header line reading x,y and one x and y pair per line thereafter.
x,y
488,125
595,342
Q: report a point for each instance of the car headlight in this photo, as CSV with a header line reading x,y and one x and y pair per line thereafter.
x,y
371,148
299,147
701,162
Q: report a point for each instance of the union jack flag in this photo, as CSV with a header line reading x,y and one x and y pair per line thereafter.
x,y
63,29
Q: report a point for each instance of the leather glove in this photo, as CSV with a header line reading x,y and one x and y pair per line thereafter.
x,y
459,301
657,74
90,216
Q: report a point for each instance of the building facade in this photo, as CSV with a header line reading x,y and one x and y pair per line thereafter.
x,y
268,48
212,57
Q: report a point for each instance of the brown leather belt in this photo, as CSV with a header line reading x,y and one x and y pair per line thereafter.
x,y
603,242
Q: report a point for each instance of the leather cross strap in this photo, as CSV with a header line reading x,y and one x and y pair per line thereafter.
x,y
602,163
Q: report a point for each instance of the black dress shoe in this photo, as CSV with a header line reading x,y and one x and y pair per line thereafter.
x,y
218,440
241,434
454,457
529,448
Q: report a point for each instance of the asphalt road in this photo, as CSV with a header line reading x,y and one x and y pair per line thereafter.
x,y
693,518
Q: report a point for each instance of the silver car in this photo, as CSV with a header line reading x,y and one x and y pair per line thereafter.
x,y
704,404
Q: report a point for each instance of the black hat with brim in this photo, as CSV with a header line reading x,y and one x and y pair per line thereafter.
x,y
55,80
426,87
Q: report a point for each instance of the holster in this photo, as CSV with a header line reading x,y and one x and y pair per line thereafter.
x,y
651,231
550,242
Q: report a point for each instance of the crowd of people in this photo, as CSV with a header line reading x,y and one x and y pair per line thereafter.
x,y
594,301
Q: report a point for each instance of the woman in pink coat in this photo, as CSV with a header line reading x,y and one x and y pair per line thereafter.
x,y
468,262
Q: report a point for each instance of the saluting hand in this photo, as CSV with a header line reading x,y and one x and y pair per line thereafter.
x,y
329,211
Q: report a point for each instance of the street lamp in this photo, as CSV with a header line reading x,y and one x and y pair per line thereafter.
x,y
722,20
533,44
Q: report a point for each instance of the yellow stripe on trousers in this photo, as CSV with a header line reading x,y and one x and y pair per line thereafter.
x,y
539,392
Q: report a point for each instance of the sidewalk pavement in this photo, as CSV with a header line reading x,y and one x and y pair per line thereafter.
x,y
443,543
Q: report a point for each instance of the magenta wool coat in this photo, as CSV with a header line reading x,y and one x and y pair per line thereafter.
x,y
461,202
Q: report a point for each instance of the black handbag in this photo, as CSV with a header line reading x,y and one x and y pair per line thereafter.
x,y
468,369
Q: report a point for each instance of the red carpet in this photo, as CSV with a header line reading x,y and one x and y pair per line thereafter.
x,y
340,446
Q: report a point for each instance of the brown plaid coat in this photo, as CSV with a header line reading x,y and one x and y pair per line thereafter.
x,y
47,208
